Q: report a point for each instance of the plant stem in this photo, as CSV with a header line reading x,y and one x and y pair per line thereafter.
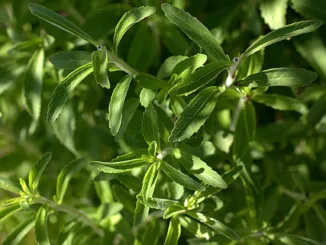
x,y
69,210
292,194
237,112
121,64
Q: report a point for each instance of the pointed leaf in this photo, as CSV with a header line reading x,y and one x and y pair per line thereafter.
x,y
279,77
116,104
150,82
9,186
316,112
6,212
289,239
65,175
60,22
181,178
188,66
174,232
36,172
149,128
195,114
197,228
100,66
149,181
119,167
70,59
33,81
157,203
168,65
174,210
141,213
19,232
61,93
41,227
200,78
127,21
283,33
195,30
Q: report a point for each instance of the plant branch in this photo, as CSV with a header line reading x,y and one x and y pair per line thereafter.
x,y
237,112
121,64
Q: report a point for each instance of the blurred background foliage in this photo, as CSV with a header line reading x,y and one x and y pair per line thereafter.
x,y
287,159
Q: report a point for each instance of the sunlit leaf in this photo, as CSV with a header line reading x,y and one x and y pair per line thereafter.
x,y
150,129
36,172
41,227
100,67
274,13
174,232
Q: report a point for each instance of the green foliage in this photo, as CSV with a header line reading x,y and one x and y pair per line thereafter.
x,y
169,141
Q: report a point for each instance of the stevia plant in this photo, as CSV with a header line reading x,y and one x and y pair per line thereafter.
x,y
168,136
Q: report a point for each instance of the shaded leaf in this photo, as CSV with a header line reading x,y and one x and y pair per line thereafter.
x,y
70,59
151,235
314,9
274,13
41,227
186,67
36,172
150,82
149,128
100,66
119,166
168,65
6,212
19,232
174,232
316,112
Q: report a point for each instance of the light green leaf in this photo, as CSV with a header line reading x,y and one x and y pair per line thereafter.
x,y
146,97
200,78
181,178
6,212
168,65
157,203
316,112
194,115
19,232
290,239
251,65
198,229
194,165
61,93
119,167
141,213
150,82
279,77
313,9
127,21
280,34
274,12
70,59
149,127
130,182
195,30
177,105
60,22
215,225
41,227
174,232
24,187
36,172
33,81
116,104
100,66
174,210
149,181
280,102
65,175
186,67
8,186
245,130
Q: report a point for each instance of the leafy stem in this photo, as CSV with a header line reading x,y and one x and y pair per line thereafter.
x,y
121,64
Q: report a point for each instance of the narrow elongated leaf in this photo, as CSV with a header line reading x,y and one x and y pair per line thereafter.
x,y
195,114
149,181
119,167
157,203
149,81
65,175
141,213
130,155
100,67
60,22
215,225
195,30
274,13
33,84
316,112
283,33
290,239
186,67
18,233
130,182
116,104
181,178
61,93
8,186
36,172
41,227
173,210
280,102
151,234
70,59
168,65
197,228
127,21
149,128
279,77
6,212
200,78
174,232
314,9
199,168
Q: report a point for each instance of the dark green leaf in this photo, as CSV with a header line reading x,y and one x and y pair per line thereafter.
x,y
290,239
149,128
149,81
36,172
141,213
100,67
6,212
168,65
41,227
314,9
152,233
316,112
70,59
19,232
174,232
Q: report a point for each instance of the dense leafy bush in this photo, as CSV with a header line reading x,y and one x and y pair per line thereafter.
x,y
134,126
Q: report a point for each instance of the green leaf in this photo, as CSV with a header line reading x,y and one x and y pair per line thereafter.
x,y
280,34
157,203
174,232
274,13
150,82
41,227
181,178
65,175
8,186
117,101
100,66
194,115
131,182
186,67
168,65
127,21
33,81
151,235
194,165
251,65
174,210
152,149
19,232
60,22
313,9
36,172
200,78
245,130
70,59
6,212
146,97
279,77
215,225
198,229
119,166
290,239
24,187
195,30
316,112
149,181
141,213
280,102
61,93
149,127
